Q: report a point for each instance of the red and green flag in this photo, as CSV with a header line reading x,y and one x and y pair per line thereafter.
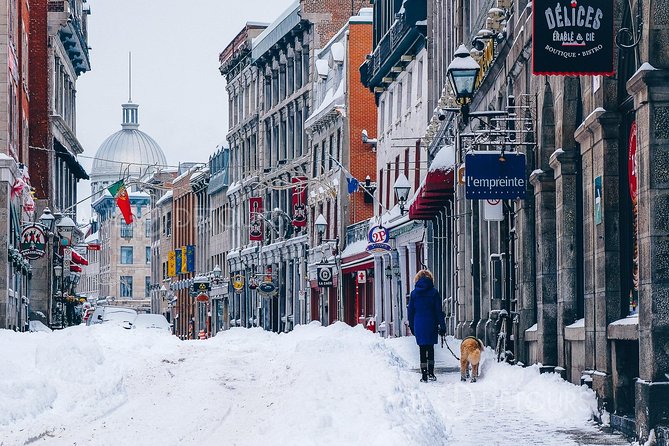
x,y
119,192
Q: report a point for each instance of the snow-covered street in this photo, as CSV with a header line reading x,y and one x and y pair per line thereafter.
x,y
104,385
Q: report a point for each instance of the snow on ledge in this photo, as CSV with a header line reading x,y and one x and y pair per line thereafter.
x,y
532,328
578,324
629,320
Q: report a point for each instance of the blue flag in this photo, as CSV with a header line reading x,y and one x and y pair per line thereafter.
x,y
353,184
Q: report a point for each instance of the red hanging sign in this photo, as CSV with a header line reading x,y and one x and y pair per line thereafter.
x,y
299,201
632,163
255,219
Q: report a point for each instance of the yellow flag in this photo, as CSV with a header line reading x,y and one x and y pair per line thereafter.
x,y
184,259
171,264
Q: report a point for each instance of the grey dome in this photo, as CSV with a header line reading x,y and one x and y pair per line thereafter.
x,y
128,151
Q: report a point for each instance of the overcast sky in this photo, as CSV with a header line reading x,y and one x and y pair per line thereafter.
x,y
175,47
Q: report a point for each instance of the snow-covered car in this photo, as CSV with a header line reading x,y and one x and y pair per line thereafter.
x,y
38,326
124,317
152,322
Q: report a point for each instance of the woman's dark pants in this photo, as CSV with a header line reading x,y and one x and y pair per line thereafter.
x,y
426,360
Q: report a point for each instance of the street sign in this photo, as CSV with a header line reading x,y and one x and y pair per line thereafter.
x,y
378,239
493,210
362,276
33,242
324,276
493,175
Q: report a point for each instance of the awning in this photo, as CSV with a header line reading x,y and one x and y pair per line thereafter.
x,y
77,169
78,258
365,264
433,194
75,268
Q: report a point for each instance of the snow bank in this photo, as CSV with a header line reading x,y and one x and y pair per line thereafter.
x,y
103,385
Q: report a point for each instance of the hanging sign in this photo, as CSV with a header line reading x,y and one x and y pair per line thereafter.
x,y
190,258
632,164
267,289
361,276
33,242
238,283
171,264
572,38
299,201
324,276
255,219
493,210
491,175
378,238
202,297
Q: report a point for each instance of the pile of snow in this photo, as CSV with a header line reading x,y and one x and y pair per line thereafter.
x,y
102,385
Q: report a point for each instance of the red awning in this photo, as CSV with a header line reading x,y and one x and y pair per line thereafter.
x,y
78,258
432,195
358,267
75,268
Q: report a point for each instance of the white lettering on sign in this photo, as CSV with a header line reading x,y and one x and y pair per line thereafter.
x,y
494,183
564,16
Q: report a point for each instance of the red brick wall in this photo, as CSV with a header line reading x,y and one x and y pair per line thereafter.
x,y
39,98
362,115
328,16
183,234
24,24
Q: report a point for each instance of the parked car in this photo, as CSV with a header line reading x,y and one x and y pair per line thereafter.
x,y
124,317
152,322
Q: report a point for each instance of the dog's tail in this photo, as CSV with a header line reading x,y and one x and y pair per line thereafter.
x,y
481,346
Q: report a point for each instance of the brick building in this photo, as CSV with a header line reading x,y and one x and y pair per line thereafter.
x,y
342,109
58,42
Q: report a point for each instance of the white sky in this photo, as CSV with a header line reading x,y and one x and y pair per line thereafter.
x,y
175,47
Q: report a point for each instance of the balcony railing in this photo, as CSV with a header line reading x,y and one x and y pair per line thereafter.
x,y
398,40
357,232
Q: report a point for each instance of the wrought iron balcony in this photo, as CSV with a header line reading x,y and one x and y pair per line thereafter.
x,y
405,37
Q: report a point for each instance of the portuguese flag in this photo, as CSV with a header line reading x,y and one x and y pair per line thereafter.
x,y
119,192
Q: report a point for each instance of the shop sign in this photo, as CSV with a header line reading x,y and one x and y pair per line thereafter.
x,y
491,175
378,238
598,200
267,289
202,297
255,219
361,276
572,38
299,201
201,287
238,283
33,242
325,276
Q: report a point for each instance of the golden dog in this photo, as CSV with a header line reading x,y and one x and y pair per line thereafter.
x,y
470,353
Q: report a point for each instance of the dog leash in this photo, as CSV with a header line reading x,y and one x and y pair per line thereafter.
x,y
447,346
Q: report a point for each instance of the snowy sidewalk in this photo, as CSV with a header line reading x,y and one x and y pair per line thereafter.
x,y
314,386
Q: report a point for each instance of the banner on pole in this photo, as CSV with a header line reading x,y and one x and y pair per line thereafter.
x,y
299,201
255,219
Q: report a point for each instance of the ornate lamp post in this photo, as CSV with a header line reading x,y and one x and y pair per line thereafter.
x,y
462,74
402,189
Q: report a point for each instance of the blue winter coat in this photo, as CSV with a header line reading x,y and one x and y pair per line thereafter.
x,y
424,313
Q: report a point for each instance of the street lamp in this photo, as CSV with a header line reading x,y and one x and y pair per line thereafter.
x,y
462,73
65,229
47,219
321,224
402,189
217,272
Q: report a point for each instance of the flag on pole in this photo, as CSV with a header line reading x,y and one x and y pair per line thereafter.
x,y
119,192
352,182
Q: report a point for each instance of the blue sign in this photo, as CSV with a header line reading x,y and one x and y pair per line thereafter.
x,y
489,175
190,258
378,239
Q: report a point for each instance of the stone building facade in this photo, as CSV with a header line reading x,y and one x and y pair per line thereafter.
x,y
397,72
278,65
577,262
125,255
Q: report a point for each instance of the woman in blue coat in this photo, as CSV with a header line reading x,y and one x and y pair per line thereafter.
x,y
426,321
